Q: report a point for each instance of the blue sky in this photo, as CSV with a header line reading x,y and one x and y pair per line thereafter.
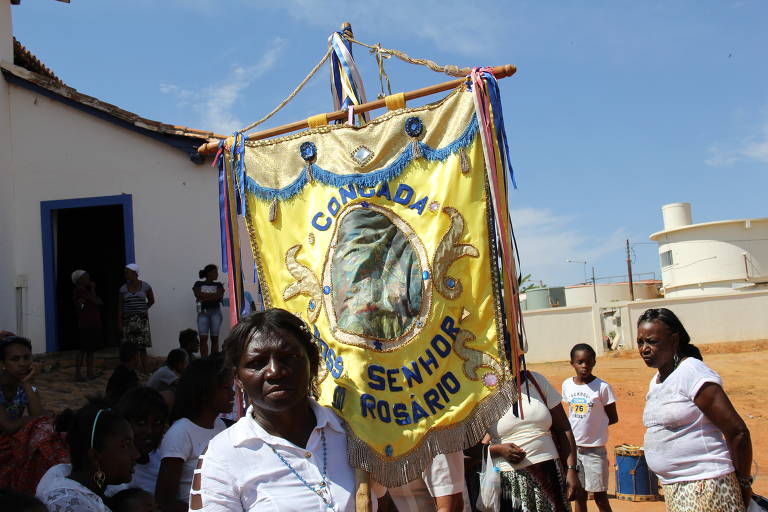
x,y
617,108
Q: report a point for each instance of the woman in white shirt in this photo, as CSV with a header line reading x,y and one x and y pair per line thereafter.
x,y
102,453
695,441
288,453
522,446
204,391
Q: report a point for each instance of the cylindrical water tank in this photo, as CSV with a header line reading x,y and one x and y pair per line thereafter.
x,y
676,215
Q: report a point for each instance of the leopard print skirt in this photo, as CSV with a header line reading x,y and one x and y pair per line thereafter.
x,y
721,494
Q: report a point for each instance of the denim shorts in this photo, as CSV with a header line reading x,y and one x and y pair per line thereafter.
x,y
209,320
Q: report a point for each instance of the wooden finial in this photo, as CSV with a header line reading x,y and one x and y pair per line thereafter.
x,y
347,27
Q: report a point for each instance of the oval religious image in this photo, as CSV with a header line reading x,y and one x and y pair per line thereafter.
x,y
376,275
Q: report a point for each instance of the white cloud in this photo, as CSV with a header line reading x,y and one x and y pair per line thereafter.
x,y
750,148
216,103
466,28
547,240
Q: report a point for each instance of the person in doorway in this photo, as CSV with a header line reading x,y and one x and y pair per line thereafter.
x,y
189,343
88,311
695,441
124,377
133,303
591,408
101,452
28,443
209,293
204,392
440,488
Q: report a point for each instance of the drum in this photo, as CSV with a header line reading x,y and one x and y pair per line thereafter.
x,y
634,481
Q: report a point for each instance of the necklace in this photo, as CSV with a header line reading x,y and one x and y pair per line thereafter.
x,y
321,488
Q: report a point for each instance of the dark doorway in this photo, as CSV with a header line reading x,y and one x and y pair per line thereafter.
x,y
91,239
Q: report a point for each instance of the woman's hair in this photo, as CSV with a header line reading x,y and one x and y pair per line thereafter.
x,y
206,269
198,385
139,403
13,340
579,347
87,428
685,348
267,322
187,336
175,357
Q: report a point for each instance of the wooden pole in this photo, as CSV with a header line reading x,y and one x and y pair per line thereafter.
x,y
498,71
362,491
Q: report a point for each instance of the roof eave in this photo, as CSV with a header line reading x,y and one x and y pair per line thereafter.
x,y
179,137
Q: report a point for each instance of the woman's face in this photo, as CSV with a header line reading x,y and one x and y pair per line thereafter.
x,y
148,432
118,455
131,275
274,371
18,361
224,396
656,343
212,274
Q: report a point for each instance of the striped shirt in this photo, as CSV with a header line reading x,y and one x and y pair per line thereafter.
x,y
135,302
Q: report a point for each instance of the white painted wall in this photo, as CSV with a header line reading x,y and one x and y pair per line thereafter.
x,y
552,332
730,317
62,153
7,281
583,294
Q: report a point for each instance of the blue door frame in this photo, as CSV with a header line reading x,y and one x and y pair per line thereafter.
x,y
49,248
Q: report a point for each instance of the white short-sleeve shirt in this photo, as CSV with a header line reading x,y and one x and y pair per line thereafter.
x,y
681,444
530,430
60,493
443,477
586,410
239,471
186,441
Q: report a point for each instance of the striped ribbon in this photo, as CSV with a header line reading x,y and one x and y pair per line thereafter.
x,y
488,107
346,83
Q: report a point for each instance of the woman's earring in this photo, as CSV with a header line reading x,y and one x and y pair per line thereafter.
x,y
99,478
676,359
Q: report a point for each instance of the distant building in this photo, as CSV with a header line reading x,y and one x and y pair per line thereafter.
x,y
582,294
711,258
85,184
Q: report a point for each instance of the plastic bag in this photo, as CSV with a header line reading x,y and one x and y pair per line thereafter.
x,y
489,499
757,504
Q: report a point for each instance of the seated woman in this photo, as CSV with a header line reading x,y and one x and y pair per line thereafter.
x,y
28,443
532,475
147,413
695,441
288,452
204,391
102,453
166,377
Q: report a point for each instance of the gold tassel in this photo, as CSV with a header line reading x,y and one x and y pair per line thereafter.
x,y
273,210
416,149
464,159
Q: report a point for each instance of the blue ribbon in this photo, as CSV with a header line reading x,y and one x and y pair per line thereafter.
x,y
494,95
222,213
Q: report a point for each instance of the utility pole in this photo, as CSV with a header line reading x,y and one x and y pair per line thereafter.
x,y
594,285
629,273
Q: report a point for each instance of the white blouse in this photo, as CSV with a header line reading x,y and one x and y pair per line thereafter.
x,y
61,494
240,471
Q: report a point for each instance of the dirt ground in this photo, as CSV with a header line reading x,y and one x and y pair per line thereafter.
x,y
742,366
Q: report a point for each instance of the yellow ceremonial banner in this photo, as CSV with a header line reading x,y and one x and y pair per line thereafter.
x,y
379,237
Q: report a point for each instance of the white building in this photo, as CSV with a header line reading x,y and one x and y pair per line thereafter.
x,y
711,258
606,293
85,184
